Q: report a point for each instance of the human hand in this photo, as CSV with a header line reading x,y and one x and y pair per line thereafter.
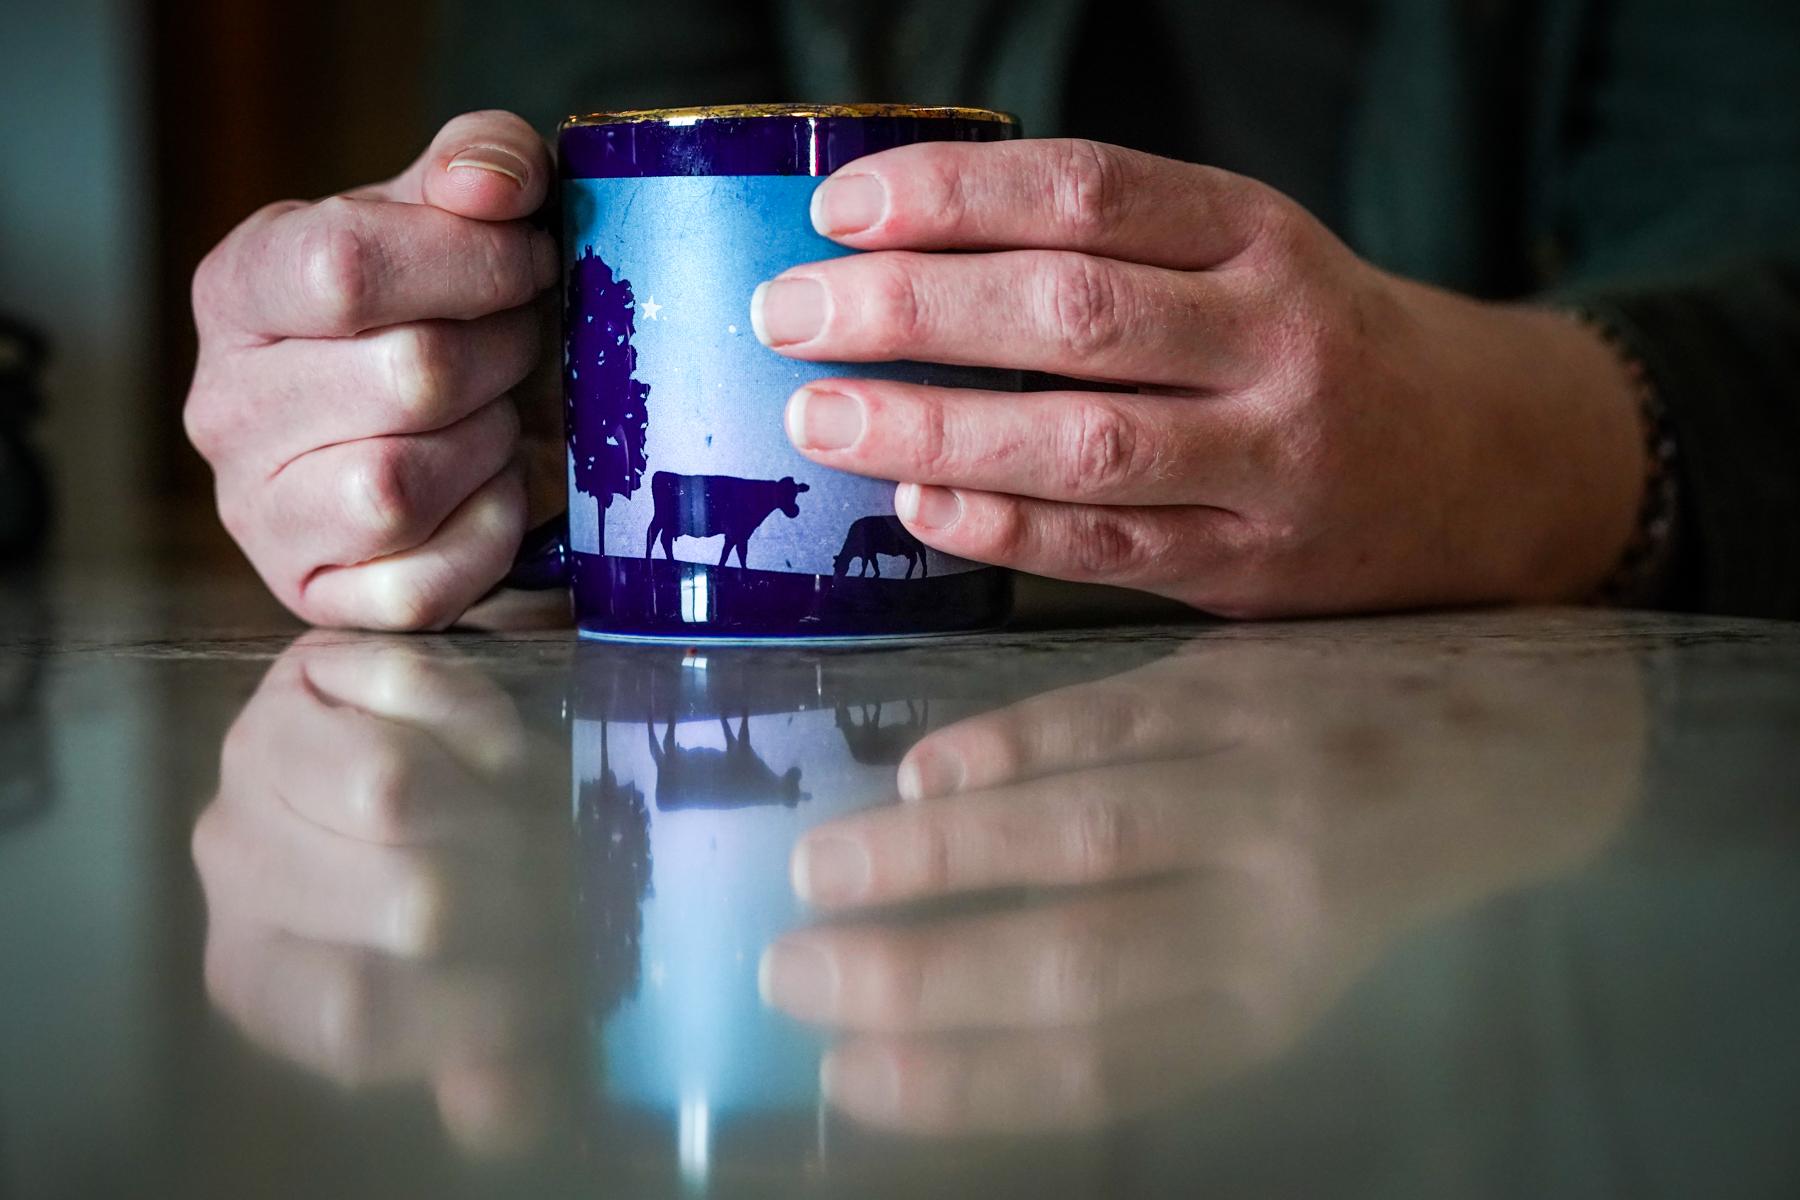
x,y
1308,434
1230,837
382,890
352,394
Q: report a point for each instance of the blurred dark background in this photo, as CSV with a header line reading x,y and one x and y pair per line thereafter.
x,y
138,132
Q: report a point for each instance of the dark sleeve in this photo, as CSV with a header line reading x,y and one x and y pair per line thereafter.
x,y
545,59
1679,202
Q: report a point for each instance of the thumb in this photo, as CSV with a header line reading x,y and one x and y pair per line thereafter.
x,y
488,165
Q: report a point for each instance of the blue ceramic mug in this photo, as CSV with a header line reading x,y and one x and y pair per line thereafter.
x,y
690,514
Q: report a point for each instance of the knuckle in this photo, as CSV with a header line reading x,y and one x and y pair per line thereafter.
x,y
929,447
336,266
506,280
1103,451
896,310
1106,547
1084,304
203,421
1007,537
207,291
1080,979
1087,189
896,986
1103,840
209,844
347,1005
395,601
378,491
379,797
933,850
1284,234
938,197
421,368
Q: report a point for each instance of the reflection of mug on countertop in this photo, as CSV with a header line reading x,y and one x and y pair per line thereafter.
x,y
690,513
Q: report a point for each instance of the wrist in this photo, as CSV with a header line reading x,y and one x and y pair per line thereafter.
x,y
1640,578
1582,513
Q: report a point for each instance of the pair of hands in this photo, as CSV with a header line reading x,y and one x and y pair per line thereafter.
x,y
1304,433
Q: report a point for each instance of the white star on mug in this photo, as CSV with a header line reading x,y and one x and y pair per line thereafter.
x,y
650,307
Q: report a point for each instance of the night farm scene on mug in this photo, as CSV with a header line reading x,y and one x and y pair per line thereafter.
x,y
803,599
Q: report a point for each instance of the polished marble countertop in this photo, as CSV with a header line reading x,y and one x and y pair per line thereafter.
x,y
1476,904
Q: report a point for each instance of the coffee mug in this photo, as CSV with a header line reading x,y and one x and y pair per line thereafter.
x,y
690,514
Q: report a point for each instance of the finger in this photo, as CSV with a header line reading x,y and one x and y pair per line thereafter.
x,y
1047,1081
1107,825
489,165
431,585
361,1019
255,412
1088,447
1170,709
496,1108
1037,310
1056,194
346,265
410,683
1051,964
360,775
1178,551
361,500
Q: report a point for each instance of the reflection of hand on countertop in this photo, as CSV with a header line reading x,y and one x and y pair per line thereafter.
x,y
1233,835
381,882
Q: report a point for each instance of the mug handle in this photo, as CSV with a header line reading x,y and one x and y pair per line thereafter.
x,y
543,561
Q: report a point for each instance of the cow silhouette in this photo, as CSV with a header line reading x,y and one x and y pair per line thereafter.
x,y
871,537
874,744
707,505
704,777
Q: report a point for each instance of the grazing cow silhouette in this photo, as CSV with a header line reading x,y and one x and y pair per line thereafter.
x,y
702,777
707,505
874,744
870,537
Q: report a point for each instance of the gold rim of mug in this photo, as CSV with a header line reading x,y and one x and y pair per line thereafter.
x,y
719,112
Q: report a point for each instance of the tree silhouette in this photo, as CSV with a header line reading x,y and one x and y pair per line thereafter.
x,y
604,402
614,828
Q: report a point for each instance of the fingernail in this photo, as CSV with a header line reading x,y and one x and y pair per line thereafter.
x,y
490,158
821,420
786,311
830,870
799,979
864,1081
929,507
848,204
931,773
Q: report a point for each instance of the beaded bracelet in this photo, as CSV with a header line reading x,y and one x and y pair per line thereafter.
x,y
1640,579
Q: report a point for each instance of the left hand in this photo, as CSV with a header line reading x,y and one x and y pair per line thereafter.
x,y
1305,433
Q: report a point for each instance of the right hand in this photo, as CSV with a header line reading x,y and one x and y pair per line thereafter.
x,y
352,390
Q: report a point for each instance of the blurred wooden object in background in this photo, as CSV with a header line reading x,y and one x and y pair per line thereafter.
x,y
256,101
